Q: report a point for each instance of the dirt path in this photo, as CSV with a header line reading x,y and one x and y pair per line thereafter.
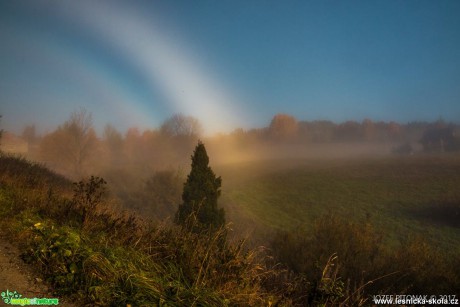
x,y
15,275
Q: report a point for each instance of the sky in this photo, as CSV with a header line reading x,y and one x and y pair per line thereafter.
x,y
228,63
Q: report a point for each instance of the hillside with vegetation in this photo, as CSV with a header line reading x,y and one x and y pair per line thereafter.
x,y
295,214
99,255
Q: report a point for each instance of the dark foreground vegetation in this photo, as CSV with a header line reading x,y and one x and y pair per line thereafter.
x,y
100,256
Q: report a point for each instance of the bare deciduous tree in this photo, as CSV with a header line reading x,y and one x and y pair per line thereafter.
x,y
72,144
181,125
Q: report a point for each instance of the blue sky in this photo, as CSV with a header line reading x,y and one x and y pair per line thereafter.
x,y
229,63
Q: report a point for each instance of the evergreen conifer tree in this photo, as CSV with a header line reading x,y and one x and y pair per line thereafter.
x,y
199,197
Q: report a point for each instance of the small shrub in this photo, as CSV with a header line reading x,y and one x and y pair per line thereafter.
x,y
88,195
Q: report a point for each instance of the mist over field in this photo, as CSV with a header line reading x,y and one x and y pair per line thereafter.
x,y
75,149
241,153
146,169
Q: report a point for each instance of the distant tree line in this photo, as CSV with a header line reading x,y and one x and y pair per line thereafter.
x,y
432,136
285,127
74,147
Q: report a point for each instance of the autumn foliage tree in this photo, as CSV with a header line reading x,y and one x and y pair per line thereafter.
x,y
199,197
283,127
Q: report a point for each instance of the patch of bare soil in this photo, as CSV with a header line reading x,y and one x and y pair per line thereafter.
x,y
15,275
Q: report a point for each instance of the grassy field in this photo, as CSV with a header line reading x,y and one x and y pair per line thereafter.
x,y
403,196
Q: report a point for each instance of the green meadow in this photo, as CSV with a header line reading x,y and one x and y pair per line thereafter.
x,y
401,196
